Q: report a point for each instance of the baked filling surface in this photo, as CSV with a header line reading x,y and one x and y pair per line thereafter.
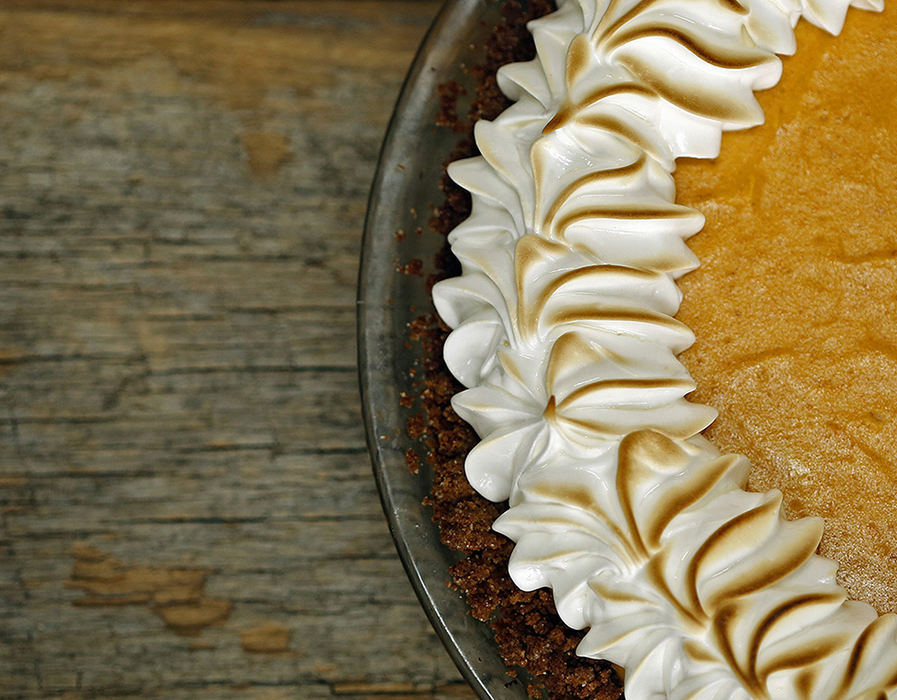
x,y
795,303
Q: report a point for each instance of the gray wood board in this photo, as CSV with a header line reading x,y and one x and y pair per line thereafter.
x,y
186,502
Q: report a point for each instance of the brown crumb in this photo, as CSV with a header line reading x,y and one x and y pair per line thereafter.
x,y
416,426
412,267
412,459
448,103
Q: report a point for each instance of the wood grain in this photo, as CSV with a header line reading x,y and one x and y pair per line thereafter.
x,y
186,506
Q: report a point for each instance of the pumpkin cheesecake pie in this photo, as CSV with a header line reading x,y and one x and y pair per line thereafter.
x,y
688,546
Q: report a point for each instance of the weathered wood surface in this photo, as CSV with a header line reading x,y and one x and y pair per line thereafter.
x,y
187,507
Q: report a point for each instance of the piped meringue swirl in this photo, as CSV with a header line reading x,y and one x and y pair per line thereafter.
x,y
565,337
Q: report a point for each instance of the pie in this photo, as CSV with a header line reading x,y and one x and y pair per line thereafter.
x,y
565,338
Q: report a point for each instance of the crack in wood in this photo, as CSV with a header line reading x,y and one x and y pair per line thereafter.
x,y
175,594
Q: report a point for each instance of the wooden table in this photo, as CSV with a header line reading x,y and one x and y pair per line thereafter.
x,y
187,506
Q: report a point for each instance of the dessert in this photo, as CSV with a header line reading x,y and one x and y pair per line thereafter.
x,y
565,337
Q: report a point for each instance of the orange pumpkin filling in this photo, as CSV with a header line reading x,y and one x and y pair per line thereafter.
x,y
795,303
